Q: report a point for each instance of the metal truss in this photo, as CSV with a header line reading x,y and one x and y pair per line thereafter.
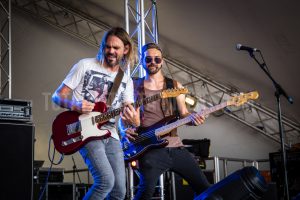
x,y
5,49
208,92
68,20
144,25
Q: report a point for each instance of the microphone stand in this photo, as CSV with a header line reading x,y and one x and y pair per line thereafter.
x,y
279,91
75,170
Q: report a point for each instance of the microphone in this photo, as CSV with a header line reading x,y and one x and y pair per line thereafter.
x,y
240,47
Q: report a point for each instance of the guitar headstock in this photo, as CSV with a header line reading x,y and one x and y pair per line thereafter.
x,y
242,98
173,92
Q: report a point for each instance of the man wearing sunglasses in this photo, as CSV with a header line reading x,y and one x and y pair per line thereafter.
x,y
174,156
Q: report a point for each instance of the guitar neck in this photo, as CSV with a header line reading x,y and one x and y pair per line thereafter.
x,y
110,114
166,129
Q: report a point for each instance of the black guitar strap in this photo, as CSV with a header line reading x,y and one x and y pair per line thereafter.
x,y
115,87
170,83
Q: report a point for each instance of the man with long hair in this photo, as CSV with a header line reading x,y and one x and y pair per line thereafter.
x,y
90,81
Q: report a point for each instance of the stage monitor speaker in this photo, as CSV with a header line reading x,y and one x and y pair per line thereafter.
x,y
244,184
16,147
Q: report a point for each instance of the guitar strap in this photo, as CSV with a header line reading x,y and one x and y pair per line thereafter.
x,y
115,87
169,105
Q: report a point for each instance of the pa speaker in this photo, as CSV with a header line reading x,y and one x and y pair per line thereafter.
x,y
244,184
16,147
293,172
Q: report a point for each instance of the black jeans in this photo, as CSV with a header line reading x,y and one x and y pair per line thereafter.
x,y
179,160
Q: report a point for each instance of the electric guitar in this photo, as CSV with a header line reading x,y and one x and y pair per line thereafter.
x,y
150,137
72,130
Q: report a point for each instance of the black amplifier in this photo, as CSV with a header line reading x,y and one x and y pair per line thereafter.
x,y
293,172
56,175
16,110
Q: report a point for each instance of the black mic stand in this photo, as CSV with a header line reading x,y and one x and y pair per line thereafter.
x,y
279,91
75,170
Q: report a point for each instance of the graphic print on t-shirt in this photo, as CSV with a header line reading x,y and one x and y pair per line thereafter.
x,y
97,86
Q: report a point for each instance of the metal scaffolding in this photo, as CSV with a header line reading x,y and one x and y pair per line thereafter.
x,y
144,26
5,49
207,91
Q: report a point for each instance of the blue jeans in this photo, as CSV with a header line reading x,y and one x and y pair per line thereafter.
x,y
105,160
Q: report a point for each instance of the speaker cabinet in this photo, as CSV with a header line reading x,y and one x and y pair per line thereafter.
x,y
16,147
271,193
55,191
60,191
293,172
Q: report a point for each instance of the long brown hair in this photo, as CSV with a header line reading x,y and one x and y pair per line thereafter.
x,y
130,58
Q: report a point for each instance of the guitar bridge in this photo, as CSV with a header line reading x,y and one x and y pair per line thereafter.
x,y
71,141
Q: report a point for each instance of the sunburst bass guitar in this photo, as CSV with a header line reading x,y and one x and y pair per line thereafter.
x,y
152,137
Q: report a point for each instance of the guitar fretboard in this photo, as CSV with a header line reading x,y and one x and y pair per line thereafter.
x,y
166,129
110,114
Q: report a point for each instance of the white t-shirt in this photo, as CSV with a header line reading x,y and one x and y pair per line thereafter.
x,y
92,82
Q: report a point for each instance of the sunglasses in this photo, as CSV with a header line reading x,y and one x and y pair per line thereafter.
x,y
157,60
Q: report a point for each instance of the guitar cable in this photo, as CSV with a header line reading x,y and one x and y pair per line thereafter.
x,y
50,168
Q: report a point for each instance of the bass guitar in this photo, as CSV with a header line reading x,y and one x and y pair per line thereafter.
x,y
72,130
151,137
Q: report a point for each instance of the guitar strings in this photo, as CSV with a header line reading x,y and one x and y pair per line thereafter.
x,y
151,133
105,116
142,137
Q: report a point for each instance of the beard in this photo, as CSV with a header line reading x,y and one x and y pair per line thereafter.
x,y
112,60
151,70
